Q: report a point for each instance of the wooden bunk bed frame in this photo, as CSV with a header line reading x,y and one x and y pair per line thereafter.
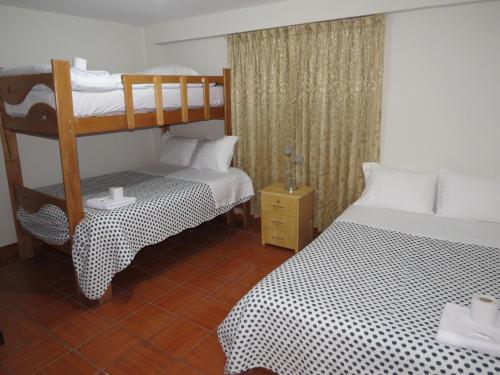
x,y
61,124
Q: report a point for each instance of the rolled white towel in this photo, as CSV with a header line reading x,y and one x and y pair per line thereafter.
x,y
107,203
458,329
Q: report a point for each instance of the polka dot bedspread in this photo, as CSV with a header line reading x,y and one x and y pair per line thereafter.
x,y
106,242
361,300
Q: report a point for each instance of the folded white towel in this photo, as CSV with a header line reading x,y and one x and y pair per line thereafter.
x,y
458,329
107,203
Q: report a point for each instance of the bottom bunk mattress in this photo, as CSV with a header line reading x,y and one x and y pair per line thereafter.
x,y
169,200
366,299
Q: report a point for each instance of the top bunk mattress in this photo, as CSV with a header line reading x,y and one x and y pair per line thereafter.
x,y
99,93
106,103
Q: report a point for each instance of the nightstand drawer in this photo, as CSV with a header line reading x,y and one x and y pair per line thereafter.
x,y
286,217
279,203
279,237
280,221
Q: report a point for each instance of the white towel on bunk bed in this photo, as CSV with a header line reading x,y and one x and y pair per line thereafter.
x,y
106,203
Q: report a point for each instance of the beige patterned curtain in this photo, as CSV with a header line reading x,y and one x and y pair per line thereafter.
x,y
317,86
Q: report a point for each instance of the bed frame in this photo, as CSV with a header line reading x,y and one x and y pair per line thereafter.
x,y
60,123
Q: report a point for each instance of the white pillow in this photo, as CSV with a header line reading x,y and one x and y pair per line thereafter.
x,y
368,167
468,197
214,155
170,70
398,190
177,150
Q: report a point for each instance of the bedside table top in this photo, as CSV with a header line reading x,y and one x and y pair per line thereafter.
x,y
279,188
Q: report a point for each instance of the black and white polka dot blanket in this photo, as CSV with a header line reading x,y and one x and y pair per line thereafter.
x,y
106,242
361,300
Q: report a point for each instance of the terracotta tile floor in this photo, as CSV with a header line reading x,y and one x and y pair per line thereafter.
x,y
163,316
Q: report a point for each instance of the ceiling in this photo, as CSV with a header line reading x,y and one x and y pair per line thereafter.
x,y
135,12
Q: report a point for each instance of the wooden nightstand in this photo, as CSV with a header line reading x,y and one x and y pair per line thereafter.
x,y
287,219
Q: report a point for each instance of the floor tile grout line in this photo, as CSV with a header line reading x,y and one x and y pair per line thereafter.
x,y
146,341
171,356
127,290
70,350
116,323
228,281
90,359
194,346
50,334
151,301
179,316
155,275
207,334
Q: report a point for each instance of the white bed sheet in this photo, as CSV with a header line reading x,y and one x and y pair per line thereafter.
x,y
226,187
442,228
105,103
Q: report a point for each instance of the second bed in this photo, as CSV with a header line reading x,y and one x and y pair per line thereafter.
x,y
170,199
366,298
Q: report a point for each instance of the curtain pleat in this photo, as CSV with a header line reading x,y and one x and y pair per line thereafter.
x,y
317,86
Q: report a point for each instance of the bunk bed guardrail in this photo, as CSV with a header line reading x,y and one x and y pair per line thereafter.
x,y
157,81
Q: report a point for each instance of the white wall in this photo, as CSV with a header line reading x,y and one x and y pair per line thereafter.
x,y
206,56
283,13
441,107
441,89
33,37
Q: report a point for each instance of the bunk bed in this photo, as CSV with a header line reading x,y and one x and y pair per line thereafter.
x,y
59,121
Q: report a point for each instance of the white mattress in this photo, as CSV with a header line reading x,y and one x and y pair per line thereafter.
x,y
226,187
102,103
432,226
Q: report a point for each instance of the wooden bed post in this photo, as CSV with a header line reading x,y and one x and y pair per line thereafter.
x,y
228,127
67,143
68,150
14,177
